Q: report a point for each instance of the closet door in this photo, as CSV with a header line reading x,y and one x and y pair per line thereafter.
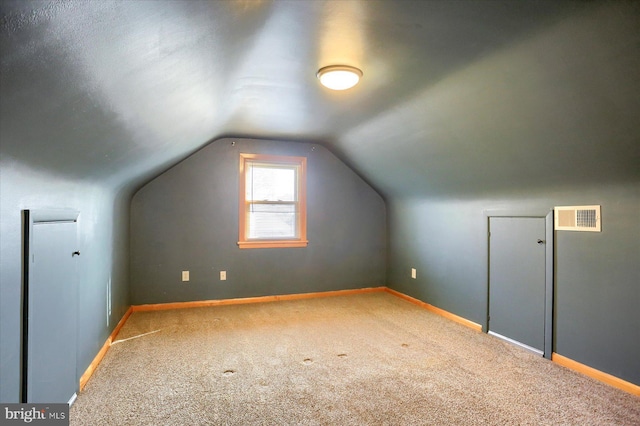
x,y
517,280
51,310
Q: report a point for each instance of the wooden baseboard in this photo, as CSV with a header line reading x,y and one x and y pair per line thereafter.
x,y
94,364
203,303
596,374
259,299
436,310
559,359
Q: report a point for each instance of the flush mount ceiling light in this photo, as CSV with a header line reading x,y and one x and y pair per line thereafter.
x,y
339,77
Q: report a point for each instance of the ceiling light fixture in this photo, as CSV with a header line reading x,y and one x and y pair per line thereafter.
x,y
339,77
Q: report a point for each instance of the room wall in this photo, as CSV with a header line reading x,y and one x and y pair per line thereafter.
x,y
597,278
187,219
103,243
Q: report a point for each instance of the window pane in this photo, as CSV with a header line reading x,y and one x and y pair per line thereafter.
x,y
272,221
272,201
266,183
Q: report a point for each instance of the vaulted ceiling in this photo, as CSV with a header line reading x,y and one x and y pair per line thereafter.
x,y
457,97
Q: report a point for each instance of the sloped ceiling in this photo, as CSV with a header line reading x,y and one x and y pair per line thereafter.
x,y
458,98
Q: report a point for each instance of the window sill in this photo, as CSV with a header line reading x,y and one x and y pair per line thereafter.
x,y
272,244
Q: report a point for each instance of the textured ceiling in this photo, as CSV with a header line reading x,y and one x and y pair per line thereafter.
x,y
457,98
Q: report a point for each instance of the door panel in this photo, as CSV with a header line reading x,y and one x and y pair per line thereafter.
x,y
52,309
517,279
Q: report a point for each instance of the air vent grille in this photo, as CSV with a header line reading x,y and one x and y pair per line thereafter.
x,y
577,218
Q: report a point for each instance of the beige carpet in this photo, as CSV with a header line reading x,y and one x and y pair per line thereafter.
x,y
370,359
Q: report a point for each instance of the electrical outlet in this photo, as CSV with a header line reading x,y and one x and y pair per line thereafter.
x,y
185,275
223,275
414,273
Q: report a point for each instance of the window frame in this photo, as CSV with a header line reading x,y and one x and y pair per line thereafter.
x,y
244,242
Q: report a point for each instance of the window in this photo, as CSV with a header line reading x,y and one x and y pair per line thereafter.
x,y
273,211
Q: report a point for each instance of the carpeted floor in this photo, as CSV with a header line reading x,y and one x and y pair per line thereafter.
x,y
370,359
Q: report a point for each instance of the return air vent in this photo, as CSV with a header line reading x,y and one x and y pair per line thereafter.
x,y
577,218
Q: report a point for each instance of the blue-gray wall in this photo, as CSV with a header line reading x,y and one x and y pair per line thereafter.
x,y
103,243
597,288
546,93
187,219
